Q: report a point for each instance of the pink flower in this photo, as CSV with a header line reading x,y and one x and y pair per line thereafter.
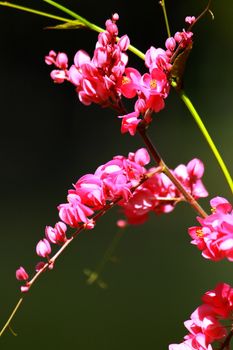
x,y
90,188
74,212
158,58
60,61
21,274
151,90
43,248
190,19
220,299
56,235
215,235
170,44
183,38
204,325
141,157
129,123
203,320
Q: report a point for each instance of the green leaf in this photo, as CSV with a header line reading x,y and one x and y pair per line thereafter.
x,y
178,66
69,25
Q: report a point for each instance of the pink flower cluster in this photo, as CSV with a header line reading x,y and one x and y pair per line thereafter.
x,y
159,195
151,88
96,79
104,78
204,325
215,235
112,182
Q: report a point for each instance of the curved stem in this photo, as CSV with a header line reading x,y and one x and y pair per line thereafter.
x,y
95,274
158,159
226,343
207,9
7,324
162,3
88,24
207,136
36,12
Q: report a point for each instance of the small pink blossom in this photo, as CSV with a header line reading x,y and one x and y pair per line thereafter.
x,y
56,235
62,60
74,212
21,274
43,248
58,76
215,235
190,19
157,58
183,38
51,58
170,44
220,300
129,123
90,188
25,288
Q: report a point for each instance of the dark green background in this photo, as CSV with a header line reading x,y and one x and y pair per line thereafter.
x,y
48,140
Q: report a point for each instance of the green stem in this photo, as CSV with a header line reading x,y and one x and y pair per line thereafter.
x,y
207,136
107,255
36,12
73,14
7,324
88,24
162,3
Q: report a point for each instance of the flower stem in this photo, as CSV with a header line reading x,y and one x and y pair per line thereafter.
x,y
36,12
207,136
7,324
162,3
158,159
95,275
226,343
88,24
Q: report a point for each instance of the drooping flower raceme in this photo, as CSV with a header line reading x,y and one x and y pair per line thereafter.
x,y
151,89
204,325
96,79
118,181
215,235
104,79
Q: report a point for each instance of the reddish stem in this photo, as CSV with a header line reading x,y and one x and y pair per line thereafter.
x,y
158,159
226,343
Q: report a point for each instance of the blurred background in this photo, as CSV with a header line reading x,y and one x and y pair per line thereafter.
x,y
48,140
